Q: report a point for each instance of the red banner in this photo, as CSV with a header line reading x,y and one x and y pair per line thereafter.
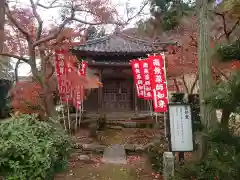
x,y
83,68
146,79
61,69
158,82
138,77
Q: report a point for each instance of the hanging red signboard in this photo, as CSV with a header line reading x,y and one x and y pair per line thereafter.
x,y
158,82
138,77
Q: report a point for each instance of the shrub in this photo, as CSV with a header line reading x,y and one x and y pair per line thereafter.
x,y
93,127
155,156
31,149
102,122
222,160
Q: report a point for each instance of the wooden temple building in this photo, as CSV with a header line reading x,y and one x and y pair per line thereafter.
x,y
109,58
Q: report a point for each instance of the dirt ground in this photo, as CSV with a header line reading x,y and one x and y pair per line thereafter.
x,y
137,167
123,136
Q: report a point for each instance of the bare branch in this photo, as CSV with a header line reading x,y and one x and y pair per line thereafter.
x,y
194,83
15,56
55,34
16,70
176,84
226,32
185,83
14,21
49,6
137,14
85,22
39,20
221,73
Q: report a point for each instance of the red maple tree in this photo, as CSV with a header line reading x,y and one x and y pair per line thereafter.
x,y
182,59
27,39
30,38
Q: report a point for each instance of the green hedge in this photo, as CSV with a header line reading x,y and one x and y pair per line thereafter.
x,y
32,150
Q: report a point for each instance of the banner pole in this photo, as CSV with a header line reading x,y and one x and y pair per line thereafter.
x,y
76,120
164,115
64,120
69,123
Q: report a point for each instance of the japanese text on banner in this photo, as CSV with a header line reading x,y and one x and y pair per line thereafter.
x,y
137,73
61,71
158,81
79,92
146,79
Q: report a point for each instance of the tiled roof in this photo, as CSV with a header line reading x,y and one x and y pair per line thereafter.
x,y
116,43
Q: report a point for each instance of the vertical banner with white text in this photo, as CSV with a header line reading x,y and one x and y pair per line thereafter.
x,y
138,77
61,71
146,79
158,82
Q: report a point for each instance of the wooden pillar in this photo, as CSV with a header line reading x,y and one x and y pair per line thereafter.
x,y
135,107
100,93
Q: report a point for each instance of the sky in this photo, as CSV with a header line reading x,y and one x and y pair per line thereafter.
x,y
24,69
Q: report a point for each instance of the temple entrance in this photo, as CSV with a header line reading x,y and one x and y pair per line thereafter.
x,y
117,95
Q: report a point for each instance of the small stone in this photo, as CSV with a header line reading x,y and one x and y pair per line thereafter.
x,y
115,154
93,147
84,158
129,147
130,124
139,148
77,146
116,127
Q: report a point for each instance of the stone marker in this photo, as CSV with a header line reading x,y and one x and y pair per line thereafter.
x,y
115,154
168,165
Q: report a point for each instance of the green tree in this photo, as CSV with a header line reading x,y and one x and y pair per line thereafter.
x,y
169,12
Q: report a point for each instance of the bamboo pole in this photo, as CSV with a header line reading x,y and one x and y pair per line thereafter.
x,y
68,115
64,120
76,120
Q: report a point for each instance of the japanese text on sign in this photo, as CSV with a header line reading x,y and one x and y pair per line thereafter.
x,y
180,127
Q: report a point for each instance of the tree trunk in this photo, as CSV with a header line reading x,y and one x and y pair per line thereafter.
x,y
47,99
207,114
194,84
16,70
185,84
176,85
225,119
2,22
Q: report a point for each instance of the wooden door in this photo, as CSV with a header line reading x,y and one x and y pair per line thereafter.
x,y
117,95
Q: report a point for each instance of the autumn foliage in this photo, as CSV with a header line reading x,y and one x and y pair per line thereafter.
x,y
26,98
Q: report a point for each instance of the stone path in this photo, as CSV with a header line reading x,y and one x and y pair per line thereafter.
x,y
115,154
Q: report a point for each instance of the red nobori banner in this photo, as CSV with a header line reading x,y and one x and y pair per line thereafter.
x,y
61,71
79,93
63,66
138,77
83,68
146,79
158,82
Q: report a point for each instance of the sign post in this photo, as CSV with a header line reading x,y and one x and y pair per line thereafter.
x,y
180,127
